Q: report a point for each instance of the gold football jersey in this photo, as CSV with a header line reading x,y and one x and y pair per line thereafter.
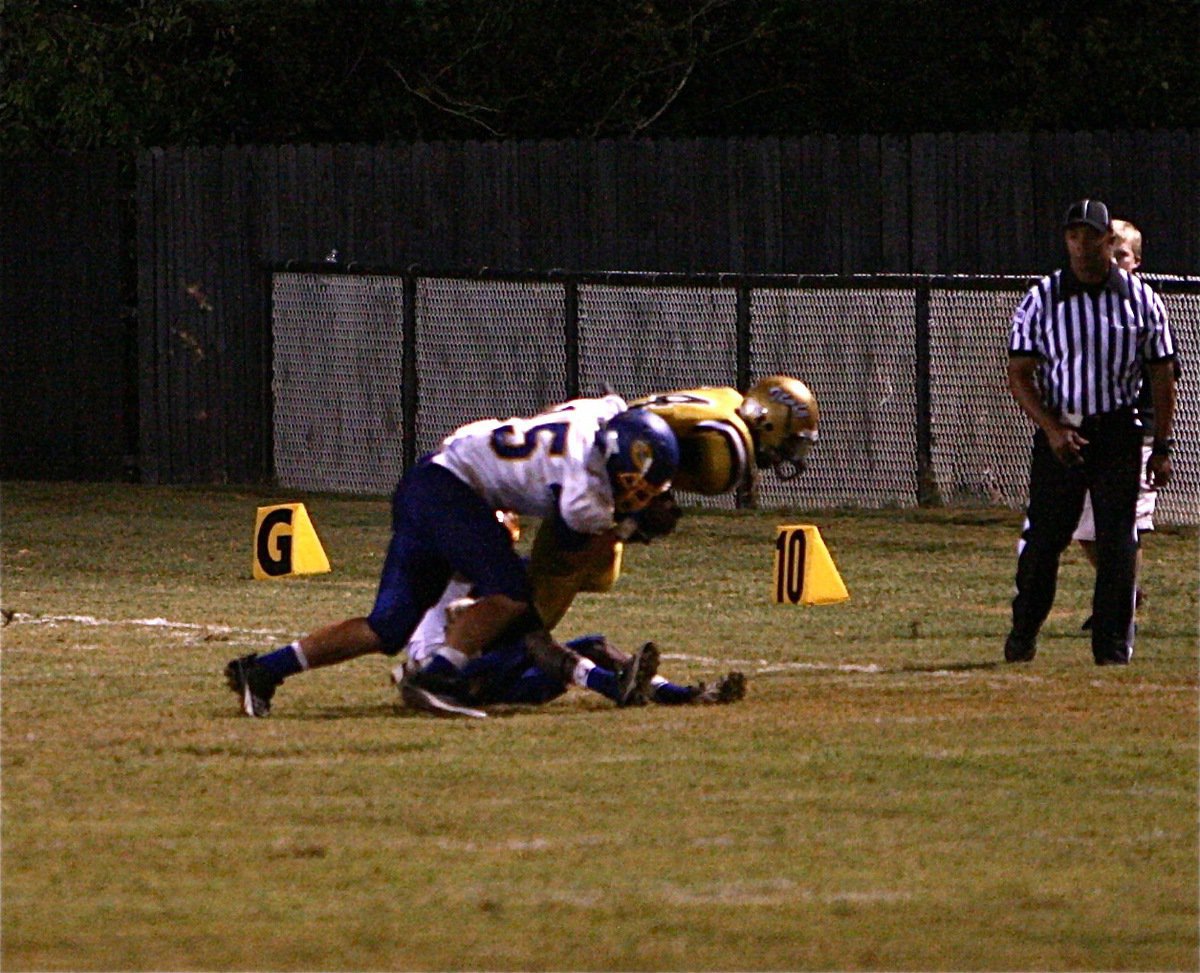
x,y
716,451
716,454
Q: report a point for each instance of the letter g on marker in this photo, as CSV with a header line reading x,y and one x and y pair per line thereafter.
x,y
273,548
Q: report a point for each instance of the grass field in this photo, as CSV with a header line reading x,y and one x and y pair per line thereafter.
x,y
888,796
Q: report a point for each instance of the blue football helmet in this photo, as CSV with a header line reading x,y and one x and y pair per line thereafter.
x,y
641,454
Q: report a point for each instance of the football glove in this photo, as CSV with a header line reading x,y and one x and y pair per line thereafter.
x,y
728,689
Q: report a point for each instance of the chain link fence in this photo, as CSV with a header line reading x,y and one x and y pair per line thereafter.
x,y
338,366
373,369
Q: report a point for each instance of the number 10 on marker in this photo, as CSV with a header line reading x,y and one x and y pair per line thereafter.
x,y
790,550
804,571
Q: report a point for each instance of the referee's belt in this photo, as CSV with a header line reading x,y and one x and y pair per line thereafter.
x,y
1101,420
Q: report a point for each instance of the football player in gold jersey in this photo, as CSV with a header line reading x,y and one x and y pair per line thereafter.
x,y
724,439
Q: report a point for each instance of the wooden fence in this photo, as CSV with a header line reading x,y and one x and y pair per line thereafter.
x,y
68,406
208,221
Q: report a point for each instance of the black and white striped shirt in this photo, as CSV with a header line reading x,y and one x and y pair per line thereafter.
x,y
1091,342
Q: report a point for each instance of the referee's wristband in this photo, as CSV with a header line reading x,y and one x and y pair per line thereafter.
x,y
1163,447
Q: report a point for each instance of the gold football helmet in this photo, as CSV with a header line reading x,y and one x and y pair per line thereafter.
x,y
781,414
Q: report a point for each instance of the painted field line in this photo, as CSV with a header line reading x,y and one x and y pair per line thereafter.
x,y
20,618
758,665
764,665
775,892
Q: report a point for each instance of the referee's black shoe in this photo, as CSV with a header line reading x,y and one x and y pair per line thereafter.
x,y
1019,649
1115,653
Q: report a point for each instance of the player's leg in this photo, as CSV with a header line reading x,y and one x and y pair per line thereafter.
x,y
256,677
1146,502
507,674
1085,534
480,548
628,686
610,660
464,532
727,689
557,577
412,579
510,673
599,650
1085,531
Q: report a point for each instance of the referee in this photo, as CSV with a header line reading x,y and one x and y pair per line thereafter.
x,y
1077,347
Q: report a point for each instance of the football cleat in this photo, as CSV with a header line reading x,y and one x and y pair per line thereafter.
x,y
728,689
641,455
781,414
252,683
430,693
635,677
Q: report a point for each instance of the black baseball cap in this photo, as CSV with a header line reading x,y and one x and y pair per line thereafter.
x,y
1088,212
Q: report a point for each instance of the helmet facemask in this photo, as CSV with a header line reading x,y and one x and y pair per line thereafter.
x,y
633,492
788,461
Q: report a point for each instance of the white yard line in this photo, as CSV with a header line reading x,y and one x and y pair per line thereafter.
x,y
763,665
757,665
21,618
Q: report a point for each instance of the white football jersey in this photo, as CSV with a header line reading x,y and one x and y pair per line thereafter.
x,y
530,466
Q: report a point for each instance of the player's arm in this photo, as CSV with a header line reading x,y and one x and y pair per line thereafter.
x,y
563,563
715,449
571,551
715,458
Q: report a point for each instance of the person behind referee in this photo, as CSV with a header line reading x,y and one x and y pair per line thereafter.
x,y
1077,347
1127,254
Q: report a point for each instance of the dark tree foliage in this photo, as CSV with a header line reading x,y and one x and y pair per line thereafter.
x,y
99,73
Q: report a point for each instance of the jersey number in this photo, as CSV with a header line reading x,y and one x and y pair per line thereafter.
x,y
507,443
677,398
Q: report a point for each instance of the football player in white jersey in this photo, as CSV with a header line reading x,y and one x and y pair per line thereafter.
x,y
580,467
724,438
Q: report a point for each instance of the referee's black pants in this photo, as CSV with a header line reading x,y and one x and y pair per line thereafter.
x,y
1111,471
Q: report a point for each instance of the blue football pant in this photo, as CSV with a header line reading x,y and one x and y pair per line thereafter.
x,y
441,527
